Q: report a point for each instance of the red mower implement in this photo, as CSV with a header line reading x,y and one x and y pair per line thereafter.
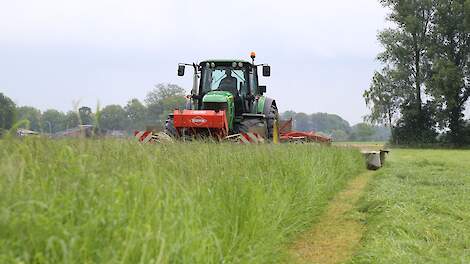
x,y
201,122
290,136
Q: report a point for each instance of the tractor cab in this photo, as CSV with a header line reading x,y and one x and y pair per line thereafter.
x,y
230,86
238,77
227,76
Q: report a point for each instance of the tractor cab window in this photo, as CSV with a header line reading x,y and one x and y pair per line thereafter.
x,y
225,79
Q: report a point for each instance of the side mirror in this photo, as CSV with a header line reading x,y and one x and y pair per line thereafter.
x,y
180,70
266,71
262,89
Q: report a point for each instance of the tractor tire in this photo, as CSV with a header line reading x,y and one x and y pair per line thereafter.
x,y
272,117
257,126
170,128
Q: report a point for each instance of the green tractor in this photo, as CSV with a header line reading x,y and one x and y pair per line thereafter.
x,y
226,100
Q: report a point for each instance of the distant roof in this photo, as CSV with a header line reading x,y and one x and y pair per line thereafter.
x,y
226,60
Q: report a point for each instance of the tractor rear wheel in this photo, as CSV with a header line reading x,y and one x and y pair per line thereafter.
x,y
272,117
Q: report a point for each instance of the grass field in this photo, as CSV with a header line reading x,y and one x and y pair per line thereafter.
x,y
90,201
418,209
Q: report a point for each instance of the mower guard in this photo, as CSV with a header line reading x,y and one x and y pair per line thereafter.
x,y
201,121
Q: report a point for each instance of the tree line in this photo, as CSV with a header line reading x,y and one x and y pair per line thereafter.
x,y
336,127
423,86
134,115
153,111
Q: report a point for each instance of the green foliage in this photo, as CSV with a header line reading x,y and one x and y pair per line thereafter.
x,y
417,209
406,64
450,52
321,122
383,98
80,201
427,52
7,113
72,119
113,117
362,132
47,121
336,127
52,121
340,135
31,114
467,16
134,116
328,122
136,113
162,100
97,117
404,132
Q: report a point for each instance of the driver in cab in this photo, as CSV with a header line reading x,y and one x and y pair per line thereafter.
x,y
229,83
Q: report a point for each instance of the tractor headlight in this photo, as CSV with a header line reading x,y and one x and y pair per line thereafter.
x,y
234,65
240,64
212,65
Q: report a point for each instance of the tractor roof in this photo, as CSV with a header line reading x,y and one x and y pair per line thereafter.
x,y
225,60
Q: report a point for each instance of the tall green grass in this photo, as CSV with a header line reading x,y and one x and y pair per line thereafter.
x,y
105,201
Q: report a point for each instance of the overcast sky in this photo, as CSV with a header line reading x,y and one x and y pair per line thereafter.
x,y
55,52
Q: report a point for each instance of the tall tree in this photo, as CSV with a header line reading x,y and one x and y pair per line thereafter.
x,y
406,69
407,44
450,82
7,112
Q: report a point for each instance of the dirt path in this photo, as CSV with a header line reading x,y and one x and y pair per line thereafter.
x,y
337,234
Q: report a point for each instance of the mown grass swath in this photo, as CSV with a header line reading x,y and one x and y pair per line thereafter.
x,y
418,209
84,201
